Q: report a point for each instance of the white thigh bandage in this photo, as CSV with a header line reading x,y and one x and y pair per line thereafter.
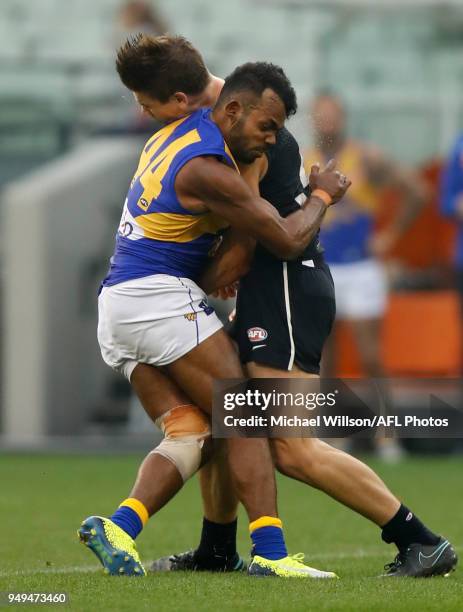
x,y
185,429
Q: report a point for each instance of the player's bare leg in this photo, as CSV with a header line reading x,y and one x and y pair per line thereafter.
x,y
346,479
338,474
250,460
159,394
316,463
333,471
355,485
158,477
367,335
250,464
216,482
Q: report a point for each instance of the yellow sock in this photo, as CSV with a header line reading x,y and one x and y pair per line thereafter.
x,y
265,521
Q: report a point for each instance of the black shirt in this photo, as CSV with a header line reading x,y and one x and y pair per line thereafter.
x,y
282,185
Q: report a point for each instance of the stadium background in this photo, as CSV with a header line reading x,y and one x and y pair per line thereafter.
x,y
69,140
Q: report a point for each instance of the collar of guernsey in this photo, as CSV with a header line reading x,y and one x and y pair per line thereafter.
x,y
156,234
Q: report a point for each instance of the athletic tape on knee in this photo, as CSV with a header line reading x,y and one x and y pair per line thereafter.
x,y
185,429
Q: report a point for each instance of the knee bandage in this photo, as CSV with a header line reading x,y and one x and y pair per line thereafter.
x,y
185,430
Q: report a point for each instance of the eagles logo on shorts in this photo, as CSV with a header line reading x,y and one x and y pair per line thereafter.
x,y
205,306
191,316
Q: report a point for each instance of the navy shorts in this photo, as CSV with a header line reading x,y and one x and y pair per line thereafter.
x,y
284,313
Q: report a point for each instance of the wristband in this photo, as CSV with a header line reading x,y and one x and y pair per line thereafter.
x,y
323,195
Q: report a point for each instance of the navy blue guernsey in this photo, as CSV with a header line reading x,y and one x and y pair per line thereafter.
x,y
284,186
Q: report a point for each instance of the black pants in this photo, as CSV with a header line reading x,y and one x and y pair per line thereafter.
x,y
284,313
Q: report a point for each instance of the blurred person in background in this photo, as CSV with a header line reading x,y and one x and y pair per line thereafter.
x,y
135,17
138,16
452,206
353,249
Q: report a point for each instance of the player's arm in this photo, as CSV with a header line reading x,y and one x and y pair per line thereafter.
x,y
234,256
230,263
221,190
385,173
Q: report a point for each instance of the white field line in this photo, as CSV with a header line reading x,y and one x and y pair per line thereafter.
x,y
77,569
73,569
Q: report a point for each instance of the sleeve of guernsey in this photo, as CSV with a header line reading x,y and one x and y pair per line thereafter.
x,y
285,179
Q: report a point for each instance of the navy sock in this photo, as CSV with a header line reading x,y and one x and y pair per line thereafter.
x,y
218,542
268,542
405,528
128,520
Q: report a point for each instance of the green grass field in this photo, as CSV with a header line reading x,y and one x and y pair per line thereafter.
x,y
44,499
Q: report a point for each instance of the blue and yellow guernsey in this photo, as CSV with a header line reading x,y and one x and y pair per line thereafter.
x,y
156,234
347,228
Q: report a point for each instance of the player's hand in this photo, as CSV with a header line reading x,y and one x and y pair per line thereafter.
x,y
227,292
329,180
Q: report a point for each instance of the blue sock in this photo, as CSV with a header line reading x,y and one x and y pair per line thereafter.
x,y
268,542
128,520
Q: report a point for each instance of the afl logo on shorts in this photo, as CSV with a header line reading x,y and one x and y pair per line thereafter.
x,y
257,334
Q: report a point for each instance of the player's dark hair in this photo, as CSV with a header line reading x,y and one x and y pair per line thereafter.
x,y
161,65
255,77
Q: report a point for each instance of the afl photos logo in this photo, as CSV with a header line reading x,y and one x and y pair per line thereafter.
x,y
257,334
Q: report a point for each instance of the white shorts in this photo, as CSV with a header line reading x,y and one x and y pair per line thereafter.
x,y
361,289
156,320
